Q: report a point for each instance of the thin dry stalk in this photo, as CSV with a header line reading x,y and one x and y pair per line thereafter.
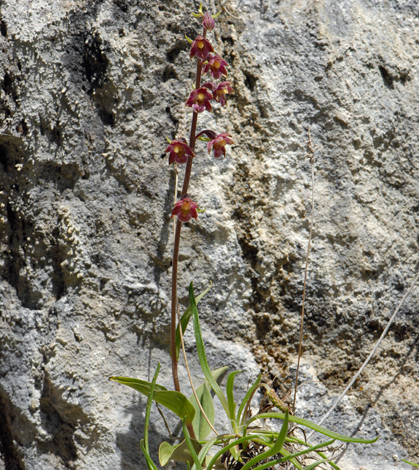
x,y
367,360
165,422
310,149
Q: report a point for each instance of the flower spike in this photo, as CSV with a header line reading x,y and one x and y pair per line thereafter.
x,y
219,143
179,151
185,209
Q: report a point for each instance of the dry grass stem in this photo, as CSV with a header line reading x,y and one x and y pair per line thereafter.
x,y
367,360
310,149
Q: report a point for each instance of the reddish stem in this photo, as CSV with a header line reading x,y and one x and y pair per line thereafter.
x,y
192,140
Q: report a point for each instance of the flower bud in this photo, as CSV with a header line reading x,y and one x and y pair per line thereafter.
x,y
275,400
208,22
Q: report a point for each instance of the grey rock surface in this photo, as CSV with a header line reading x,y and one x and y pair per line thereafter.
x,y
89,92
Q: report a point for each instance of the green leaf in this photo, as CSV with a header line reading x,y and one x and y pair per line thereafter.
x,y
218,374
313,426
216,15
291,457
275,449
190,446
247,397
410,463
316,464
149,403
230,394
293,460
174,401
189,39
150,463
179,452
304,443
202,456
228,447
144,442
204,139
201,352
168,140
165,453
199,423
185,320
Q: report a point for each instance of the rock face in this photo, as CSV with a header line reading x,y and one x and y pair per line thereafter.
x,y
89,91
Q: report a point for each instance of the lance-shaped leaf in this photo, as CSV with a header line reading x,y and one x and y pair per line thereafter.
x,y
201,353
230,394
313,426
185,320
275,449
144,442
410,463
321,454
248,397
199,423
229,446
316,464
188,440
292,457
174,401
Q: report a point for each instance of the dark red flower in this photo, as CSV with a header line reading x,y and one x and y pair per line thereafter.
x,y
219,144
210,86
208,22
199,100
179,151
216,65
222,89
201,47
185,209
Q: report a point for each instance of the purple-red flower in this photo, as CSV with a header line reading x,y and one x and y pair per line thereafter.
x,y
219,143
199,100
201,48
179,151
208,22
222,89
185,209
216,65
